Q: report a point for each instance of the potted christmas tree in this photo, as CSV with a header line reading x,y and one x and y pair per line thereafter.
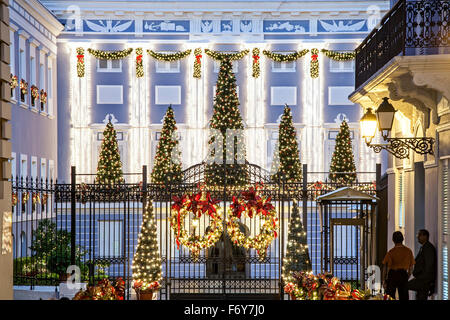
x,y
146,266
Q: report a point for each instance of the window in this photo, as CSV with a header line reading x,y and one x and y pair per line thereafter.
x,y
110,238
342,66
283,66
109,65
23,74
281,95
42,83
339,95
33,70
167,66
235,66
401,200
109,94
50,88
167,95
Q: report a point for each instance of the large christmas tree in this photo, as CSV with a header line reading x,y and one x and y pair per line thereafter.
x,y
342,159
167,163
146,265
226,116
297,253
109,167
286,164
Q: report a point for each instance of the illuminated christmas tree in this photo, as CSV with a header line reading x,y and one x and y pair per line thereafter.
x,y
146,265
286,162
109,167
342,159
297,253
167,163
226,116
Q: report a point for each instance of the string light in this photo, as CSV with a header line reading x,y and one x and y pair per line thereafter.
x,y
197,63
314,64
80,62
255,64
139,64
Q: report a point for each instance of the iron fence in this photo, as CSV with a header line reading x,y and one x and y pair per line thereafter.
x,y
97,229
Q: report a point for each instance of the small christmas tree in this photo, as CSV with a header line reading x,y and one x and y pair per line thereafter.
x,y
109,167
342,159
146,267
297,253
286,158
226,115
167,167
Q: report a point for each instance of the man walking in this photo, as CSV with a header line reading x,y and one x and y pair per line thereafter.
x,y
398,264
425,269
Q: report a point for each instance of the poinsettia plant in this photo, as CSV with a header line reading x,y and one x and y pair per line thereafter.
x,y
104,290
140,285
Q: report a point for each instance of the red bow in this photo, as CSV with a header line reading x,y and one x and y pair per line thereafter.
x,y
237,208
255,59
139,58
314,57
80,58
198,58
178,204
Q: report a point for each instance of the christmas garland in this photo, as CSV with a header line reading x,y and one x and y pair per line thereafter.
x,y
253,205
13,82
197,204
80,62
43,96
307,286
169,56
198,63
339,56
110,55
14,199
25,197
219,56
139,64
255,66
23,87
36,198
34,92
279,57
44,199
314,65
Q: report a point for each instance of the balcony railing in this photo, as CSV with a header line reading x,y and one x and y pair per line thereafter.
x,y
409,28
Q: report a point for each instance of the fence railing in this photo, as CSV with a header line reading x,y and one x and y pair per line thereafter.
x,y
411,27
97,228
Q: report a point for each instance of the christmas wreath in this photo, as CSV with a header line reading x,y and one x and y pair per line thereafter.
x,y
252,205
197,204
13,82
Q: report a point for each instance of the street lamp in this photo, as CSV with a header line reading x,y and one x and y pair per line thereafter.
x,y
384,119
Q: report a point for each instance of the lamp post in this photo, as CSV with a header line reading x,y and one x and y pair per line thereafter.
x,y
384,119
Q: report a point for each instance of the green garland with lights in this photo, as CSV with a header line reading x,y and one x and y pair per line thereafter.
x,y
139,64
169,56
339,56
110,55
342,159
314,65
80,62
167,163
297,253
286,164
256,70
198,63
279,57
109,167
219,56
226,115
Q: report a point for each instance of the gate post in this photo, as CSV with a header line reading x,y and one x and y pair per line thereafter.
x,y
72,214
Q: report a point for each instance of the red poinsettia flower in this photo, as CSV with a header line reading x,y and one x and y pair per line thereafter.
x,y
236,207
178,202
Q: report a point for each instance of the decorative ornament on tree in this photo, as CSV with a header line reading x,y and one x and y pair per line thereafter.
x,y
109,167
253,205
80,62
167,162
297,253
343,159
146,267
196,204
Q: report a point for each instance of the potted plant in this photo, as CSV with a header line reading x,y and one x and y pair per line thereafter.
x,y
146,291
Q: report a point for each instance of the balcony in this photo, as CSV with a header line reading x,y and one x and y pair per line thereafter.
x,y
410,28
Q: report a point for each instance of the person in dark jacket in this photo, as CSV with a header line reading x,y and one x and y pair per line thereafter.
x,y
425,268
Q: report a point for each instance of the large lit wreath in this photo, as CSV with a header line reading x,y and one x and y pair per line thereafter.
x,y
252,205
197,204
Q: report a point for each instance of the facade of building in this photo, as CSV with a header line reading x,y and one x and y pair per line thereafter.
x,y
111,90
412,70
